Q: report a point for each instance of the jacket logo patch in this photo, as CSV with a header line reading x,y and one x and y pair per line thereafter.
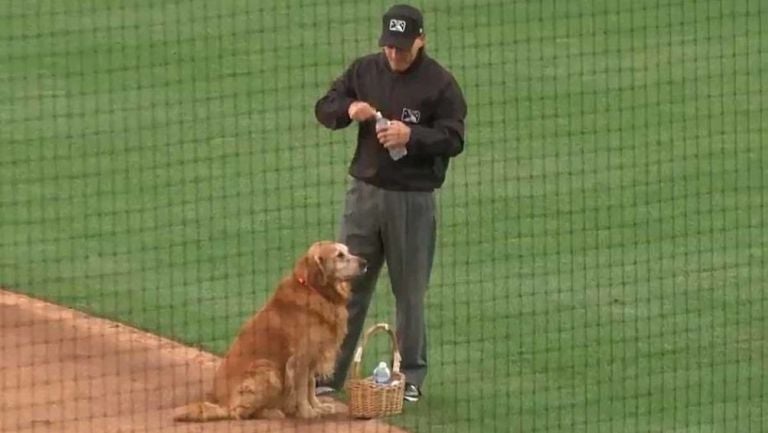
x,y
411,116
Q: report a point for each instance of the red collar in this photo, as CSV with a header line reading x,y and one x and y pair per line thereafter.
x,y
303,281
331,296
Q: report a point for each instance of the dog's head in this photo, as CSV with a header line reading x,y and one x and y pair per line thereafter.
x,y
328,267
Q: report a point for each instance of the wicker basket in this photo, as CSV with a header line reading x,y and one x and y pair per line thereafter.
x,y
368,399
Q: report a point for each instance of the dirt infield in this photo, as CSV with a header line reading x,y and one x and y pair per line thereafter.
x,y
63,371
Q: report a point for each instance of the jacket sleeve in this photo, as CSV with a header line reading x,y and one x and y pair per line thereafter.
x,y
445,136
332,109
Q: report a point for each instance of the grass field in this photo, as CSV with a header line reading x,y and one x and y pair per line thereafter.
x,y
602,253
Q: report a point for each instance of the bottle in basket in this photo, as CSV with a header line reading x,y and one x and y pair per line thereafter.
x,y
381,373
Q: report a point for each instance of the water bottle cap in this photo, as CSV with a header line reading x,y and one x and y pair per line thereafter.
x,y
382,364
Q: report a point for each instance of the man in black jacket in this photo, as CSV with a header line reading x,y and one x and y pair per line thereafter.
x,y
390,211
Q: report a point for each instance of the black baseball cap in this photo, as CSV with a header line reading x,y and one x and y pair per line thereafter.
x,y
401,25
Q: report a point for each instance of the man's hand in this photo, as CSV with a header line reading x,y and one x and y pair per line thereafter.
x,y
397,134
360,111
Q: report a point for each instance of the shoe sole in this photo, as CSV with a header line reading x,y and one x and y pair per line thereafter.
x,y
324,390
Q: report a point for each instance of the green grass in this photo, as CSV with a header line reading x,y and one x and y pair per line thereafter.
x,y
601,263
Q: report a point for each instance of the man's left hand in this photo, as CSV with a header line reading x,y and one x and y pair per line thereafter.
x,y
397,134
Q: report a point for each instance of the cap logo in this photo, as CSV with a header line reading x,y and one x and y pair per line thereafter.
x,y
396,25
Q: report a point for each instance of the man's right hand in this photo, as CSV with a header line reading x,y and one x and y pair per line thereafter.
x,y
360,111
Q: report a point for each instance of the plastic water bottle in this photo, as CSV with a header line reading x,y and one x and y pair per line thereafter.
x,y
382,123
381,374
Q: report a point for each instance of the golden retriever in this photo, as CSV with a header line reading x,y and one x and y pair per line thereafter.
x,y
271,367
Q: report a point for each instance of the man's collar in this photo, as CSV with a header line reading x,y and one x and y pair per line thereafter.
x,y
420,56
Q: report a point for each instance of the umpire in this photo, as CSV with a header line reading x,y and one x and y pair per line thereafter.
x,y
390,206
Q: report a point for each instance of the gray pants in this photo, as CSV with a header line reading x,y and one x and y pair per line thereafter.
x,y
398,227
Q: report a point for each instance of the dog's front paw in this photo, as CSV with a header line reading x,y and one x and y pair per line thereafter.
x,y
326,408
307,412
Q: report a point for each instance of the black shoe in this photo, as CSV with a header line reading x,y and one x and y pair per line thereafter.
x,y
412,393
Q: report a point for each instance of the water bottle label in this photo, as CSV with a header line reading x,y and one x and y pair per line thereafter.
x,y
381,374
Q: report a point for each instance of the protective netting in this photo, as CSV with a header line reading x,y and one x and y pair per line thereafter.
x,y
600,261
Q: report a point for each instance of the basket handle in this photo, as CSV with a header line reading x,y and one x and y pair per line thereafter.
x,y
381,327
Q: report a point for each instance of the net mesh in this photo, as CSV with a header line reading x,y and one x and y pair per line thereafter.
x,y
600,261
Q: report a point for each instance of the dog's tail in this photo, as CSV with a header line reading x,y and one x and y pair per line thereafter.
x,y
261,386
201,411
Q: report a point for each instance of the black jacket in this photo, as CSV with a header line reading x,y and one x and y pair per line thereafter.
x,y
426,97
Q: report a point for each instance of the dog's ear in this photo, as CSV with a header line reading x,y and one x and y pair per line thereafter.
x,y
313,269
317,272
321,272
